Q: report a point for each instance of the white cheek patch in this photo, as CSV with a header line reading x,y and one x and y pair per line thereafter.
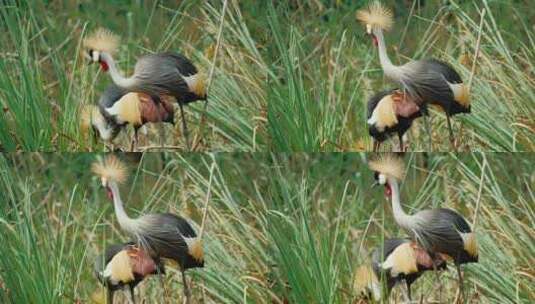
x,y
382,179
96,56
368,28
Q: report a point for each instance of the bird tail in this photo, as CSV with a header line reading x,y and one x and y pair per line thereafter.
x,y
197,84
461,94
470,243
195,248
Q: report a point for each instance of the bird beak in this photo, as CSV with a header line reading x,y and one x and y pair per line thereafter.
x,y
369,29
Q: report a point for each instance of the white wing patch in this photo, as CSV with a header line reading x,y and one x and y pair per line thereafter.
x,y
384,114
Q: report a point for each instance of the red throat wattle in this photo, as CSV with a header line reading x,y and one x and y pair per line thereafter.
x,y
104,66
110,194
388,191
375,42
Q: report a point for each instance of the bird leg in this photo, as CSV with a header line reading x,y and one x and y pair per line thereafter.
x,y
437,276
161,134
109,299
408,290
133,145
452,138
131,298
184,125
401,147
376,145
459,273
187,292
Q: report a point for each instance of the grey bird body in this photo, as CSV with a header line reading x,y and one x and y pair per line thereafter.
x,y
164,74
158,74
429,81
166,235
440,231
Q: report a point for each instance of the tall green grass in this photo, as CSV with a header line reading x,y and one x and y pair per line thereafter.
x,y
45,82
326,69
281,228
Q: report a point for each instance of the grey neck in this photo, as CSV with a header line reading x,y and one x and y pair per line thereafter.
x,y
125,222
403,219
118,79
390,70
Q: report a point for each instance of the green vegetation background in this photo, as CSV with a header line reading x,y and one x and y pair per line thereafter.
x,y
290,75
281,228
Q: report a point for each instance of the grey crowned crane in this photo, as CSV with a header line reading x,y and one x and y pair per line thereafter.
x,y
390,112
442,232
162,235
167,73
124,266
117,108
398,260
428,81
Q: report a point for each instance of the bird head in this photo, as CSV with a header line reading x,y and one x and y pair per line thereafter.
x,y
100,42
102,127
111,172
375,17
387,167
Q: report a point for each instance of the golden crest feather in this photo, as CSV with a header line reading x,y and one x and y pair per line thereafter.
x,y
388,164
364,277
87,112
102,40
376,16
111,168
